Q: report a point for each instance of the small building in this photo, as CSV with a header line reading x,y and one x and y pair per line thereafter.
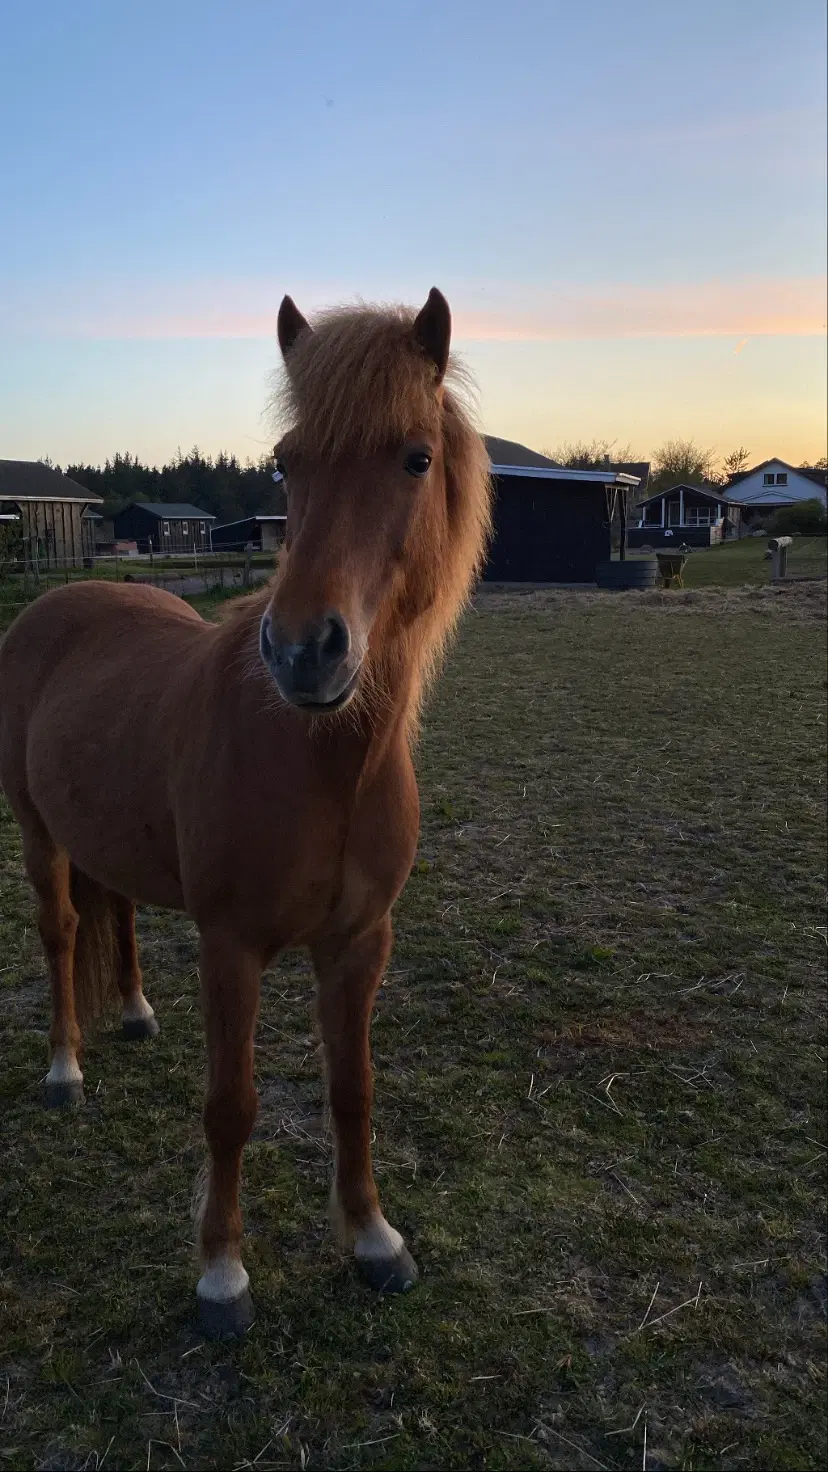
x,y
775,485
49,510
103,532
164,526
551,524
260,533
697,516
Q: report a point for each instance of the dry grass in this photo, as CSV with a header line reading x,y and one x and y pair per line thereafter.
x,y
600,1102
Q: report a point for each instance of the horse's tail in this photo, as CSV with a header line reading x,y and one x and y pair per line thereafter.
x,y
96,947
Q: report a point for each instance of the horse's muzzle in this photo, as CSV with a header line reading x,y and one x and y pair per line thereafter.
x,y
318,673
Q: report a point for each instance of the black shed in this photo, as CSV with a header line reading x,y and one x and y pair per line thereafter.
x,y
552,524
164,526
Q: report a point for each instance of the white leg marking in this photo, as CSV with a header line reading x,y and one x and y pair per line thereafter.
x,y
137,1009
224,1280
379,1242
64,1069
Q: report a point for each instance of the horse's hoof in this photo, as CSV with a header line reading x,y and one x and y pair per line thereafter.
x,y
136,1028
226,1320
389,1275
63,1095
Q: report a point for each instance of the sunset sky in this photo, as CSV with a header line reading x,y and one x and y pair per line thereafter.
x,y
624,202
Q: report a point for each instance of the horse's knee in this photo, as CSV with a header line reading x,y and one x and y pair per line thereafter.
x,y
57,929
229,1116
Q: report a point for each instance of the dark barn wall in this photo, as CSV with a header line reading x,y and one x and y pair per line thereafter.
x,y
134,524
547,531
236,537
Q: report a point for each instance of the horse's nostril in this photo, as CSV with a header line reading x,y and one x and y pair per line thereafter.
x,y
336,641
266,637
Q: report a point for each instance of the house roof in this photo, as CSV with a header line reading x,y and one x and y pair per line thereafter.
x,y
819,477
31,480
510,452
171,510
710,493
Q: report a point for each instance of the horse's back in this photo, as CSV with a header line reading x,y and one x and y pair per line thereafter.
x,y
55,626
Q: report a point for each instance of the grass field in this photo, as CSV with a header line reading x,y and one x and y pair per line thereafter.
x,y
600,1098
739,564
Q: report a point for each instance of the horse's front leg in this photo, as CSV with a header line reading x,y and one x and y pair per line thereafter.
x,y
230,978
349,973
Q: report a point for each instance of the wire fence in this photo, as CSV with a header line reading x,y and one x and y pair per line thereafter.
x,y
217,574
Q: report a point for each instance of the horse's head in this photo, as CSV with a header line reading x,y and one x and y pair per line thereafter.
x,y
372,462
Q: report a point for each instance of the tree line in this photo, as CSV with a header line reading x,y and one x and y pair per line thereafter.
x,y
222,485
231,490
676,462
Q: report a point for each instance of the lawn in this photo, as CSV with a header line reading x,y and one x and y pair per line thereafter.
x,y
600,1098
737,564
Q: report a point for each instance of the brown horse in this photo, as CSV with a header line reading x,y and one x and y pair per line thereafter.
x,y
257,773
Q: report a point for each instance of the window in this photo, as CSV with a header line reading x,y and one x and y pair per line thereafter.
x,y
767,479
699,515
165,527
674,513
202,526
782,478
185,528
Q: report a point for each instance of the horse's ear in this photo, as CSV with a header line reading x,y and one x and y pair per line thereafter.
x,y
432,330
290,323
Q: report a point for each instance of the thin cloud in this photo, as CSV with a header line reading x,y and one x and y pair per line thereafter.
x,y
753,307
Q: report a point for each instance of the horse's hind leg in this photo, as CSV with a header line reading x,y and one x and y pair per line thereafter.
x,y
57,921
137,1019
349,974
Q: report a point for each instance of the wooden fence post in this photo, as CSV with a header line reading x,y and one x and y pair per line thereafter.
x,y
778,547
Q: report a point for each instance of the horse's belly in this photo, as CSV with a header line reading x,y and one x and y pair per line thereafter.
x,y
123,857
124,845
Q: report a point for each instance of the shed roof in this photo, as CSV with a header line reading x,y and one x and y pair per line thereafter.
x,y
563,473
639,468
31,480
172,510
246,520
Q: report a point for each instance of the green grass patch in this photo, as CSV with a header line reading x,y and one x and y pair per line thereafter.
x,y
743,563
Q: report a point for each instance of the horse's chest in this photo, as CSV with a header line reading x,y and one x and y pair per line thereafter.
x,y
300,869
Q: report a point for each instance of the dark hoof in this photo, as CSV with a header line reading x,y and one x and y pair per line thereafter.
x,y
226,1320
63,1096
394,1276
136,1028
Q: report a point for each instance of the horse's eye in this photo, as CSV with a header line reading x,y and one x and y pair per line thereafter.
x,y
418,463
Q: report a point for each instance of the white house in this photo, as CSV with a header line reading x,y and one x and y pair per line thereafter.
x,y
774,483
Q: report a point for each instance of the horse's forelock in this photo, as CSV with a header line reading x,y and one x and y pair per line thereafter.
x,y
357,383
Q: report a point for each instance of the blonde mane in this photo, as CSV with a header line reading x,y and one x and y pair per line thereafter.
x,y
355,384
